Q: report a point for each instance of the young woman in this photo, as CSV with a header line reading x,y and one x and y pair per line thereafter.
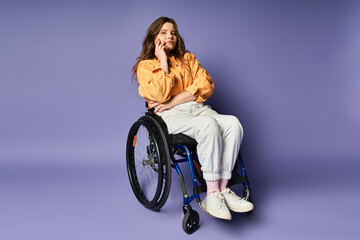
x,y
173,82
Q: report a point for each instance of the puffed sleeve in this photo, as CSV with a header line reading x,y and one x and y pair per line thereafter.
x,y
154,84
202,85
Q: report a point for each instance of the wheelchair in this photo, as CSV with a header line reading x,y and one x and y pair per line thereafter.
x,y
151,153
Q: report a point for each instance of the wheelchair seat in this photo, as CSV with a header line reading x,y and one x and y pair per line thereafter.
x,y
182,139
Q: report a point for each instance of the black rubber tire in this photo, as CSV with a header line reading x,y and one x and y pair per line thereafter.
x,y
155,161
191,221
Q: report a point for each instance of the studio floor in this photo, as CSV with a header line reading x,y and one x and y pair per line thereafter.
x,y
96,202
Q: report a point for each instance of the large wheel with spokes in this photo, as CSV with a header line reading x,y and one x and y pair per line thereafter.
x,y
148,162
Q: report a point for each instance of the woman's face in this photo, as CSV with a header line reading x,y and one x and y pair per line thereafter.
x,y
167,35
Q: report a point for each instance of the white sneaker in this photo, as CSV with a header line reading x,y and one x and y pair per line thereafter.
x,y
214,204
235,203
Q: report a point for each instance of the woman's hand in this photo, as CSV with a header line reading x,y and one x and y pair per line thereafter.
x,y
161,55
160,107
160,50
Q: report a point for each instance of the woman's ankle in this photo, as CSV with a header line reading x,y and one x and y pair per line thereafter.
x,y
212,186
223,183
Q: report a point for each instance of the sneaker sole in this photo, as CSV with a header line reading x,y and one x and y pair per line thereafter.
x,y
242,210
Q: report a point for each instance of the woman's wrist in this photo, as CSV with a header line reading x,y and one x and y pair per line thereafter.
x,y
164,65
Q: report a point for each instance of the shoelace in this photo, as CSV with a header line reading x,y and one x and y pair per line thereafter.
x,y
220,200
232,195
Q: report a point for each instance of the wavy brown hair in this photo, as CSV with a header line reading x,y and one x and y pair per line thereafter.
x,y
148,46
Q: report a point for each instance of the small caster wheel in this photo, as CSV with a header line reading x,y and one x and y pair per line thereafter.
x,y
190,221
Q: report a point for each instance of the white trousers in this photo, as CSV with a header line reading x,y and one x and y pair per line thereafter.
x,y
219,136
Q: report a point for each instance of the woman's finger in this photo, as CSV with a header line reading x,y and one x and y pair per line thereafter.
x,y
154,105
156,109
159,108
157,45
162,108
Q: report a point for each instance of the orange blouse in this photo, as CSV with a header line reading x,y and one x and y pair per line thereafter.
x,y
157,86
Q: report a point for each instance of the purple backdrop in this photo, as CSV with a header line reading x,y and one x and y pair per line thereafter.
x,y
287,69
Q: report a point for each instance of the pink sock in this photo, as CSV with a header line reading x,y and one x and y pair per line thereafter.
x,y
223,183
212,186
